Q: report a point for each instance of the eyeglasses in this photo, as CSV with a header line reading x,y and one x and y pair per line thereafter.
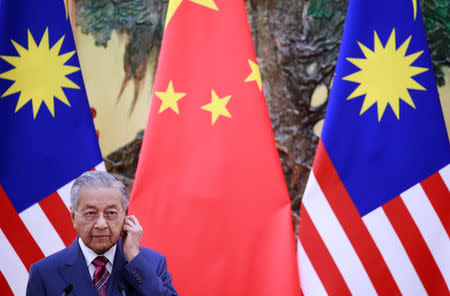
x,y
109,215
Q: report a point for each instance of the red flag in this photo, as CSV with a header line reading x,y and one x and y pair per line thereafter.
x,y
209,189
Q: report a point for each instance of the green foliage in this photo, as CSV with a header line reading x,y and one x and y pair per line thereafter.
x,y
101,17
323,8
437,27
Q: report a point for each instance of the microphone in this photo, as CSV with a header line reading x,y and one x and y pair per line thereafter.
x,y
67,290
121,288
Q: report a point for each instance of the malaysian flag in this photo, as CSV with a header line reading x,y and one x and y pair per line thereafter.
x,y
48,136
375,217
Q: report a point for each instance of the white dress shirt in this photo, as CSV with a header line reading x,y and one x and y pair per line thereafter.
x,y
90,255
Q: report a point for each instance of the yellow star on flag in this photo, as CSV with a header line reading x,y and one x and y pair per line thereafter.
x,y
255,75
174,4
386,75
206,3
39,73
169,98
217,107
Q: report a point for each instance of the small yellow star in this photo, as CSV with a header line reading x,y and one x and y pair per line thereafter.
x,y
255,75
174,4
206,3
217,107
169,98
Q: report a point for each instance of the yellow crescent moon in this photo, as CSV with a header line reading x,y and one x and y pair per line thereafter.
x,y
66,2
415,8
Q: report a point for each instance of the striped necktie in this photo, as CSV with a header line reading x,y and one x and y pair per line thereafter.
x,y
101,275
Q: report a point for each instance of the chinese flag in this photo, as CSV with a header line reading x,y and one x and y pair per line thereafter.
x,y
209,189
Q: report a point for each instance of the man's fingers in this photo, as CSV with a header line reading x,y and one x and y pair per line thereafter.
x,y
132,220
131,227
128,228
129,221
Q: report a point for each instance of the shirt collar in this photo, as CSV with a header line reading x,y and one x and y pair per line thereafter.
x,y
90,255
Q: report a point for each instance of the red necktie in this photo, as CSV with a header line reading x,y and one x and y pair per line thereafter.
x,y
101,275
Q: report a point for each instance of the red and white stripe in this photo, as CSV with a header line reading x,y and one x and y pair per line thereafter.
x,y
401,247
26,237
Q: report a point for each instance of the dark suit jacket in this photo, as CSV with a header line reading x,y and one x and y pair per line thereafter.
x,y
146,274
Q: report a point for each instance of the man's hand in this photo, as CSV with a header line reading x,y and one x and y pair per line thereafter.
x,y
132,237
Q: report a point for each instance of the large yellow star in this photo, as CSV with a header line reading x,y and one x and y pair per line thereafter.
x,y
386,75
39,73
169,98
217,107
174,4
255,75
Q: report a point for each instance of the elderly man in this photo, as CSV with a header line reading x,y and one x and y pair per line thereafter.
x,y
106,258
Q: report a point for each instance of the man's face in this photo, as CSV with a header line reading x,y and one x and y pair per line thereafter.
x,y
99,234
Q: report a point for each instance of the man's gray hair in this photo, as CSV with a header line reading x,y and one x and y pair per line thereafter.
x,y
96,179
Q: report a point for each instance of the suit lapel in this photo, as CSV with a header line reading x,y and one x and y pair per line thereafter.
x,y
74,271
119,262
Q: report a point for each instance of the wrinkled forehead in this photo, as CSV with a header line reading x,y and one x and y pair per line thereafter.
x,y
99,197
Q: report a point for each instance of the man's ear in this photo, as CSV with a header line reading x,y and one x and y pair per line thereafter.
x,y
72,215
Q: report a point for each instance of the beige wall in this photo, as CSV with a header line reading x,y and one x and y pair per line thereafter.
x,y
103,74
444,94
